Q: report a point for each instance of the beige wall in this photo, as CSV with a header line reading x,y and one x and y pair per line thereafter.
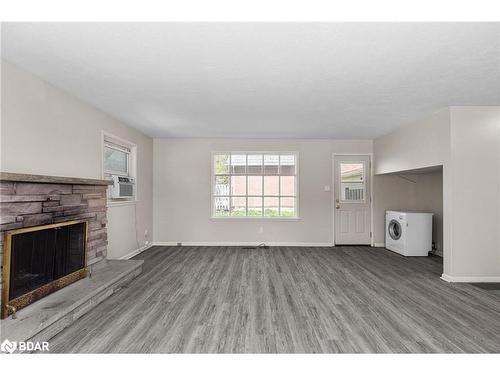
x,y
44,130
429,198
475,181
424,144
182,192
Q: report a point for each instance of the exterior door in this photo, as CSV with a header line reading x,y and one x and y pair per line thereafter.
x,y
352,212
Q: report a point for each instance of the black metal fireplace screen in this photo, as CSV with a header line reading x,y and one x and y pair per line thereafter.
x,y
40,260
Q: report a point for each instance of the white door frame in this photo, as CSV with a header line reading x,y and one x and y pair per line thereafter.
x,y
370,157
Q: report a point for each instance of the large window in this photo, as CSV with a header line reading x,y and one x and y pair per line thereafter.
x,y
255,185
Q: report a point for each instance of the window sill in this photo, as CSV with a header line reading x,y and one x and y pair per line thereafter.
x,y
118,203
255,219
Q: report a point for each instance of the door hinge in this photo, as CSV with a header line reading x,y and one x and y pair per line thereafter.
x,y
370,234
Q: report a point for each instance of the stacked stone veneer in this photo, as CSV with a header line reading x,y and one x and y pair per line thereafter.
x,y
28,204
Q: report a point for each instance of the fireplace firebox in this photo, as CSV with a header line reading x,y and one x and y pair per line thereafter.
x,y
40,260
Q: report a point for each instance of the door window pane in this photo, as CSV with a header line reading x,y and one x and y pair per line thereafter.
x,y
352,182
271,207
254,206
115,161
271,185
287,207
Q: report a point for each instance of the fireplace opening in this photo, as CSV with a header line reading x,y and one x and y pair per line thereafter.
x,y
41,260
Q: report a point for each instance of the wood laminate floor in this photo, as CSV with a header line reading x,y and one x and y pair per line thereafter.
x,y
288,300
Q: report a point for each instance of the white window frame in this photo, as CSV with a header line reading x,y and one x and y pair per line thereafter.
x,y
123,145
256,218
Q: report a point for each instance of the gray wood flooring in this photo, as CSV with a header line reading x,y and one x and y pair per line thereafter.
x,y
288,300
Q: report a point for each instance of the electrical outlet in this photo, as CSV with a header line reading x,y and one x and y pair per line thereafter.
x,y
146,233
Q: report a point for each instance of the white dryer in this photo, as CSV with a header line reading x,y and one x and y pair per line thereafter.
x,y
408,233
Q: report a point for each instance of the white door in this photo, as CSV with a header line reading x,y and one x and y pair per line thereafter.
x,y
352,200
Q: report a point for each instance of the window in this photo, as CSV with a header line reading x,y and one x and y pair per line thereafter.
x,y
119,159
116,159
352,182
255,185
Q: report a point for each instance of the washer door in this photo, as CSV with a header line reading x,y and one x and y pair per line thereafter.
x,y
395,229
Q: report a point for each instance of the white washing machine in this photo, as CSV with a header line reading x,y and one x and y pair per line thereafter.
x,y
408,233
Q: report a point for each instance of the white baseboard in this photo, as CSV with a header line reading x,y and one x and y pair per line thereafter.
x,y
304,244
379,244
470,279
136,251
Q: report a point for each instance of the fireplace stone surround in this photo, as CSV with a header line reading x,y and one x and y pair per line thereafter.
x,y
32,200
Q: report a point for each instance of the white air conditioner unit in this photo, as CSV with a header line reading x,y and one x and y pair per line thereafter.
x,y
123,187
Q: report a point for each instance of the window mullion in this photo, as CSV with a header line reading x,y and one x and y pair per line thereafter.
x,y
279,185
246,184
262,191
230,186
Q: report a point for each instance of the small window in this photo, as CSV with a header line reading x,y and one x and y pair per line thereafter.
x,y
116,159
119,159
352,182
255,185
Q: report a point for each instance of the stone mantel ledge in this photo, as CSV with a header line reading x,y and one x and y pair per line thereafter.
x,y
42,179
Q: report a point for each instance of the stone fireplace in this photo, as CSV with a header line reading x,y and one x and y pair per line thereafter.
x,y
49,219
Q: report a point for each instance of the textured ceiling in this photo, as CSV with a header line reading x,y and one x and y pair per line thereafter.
x,y
264,80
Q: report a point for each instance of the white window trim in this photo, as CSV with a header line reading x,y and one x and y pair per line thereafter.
x,y
254,218
107,137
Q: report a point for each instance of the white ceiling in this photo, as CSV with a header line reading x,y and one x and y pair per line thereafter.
x,y
264,80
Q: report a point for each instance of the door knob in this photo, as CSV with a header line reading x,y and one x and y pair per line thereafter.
x,y
337,206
